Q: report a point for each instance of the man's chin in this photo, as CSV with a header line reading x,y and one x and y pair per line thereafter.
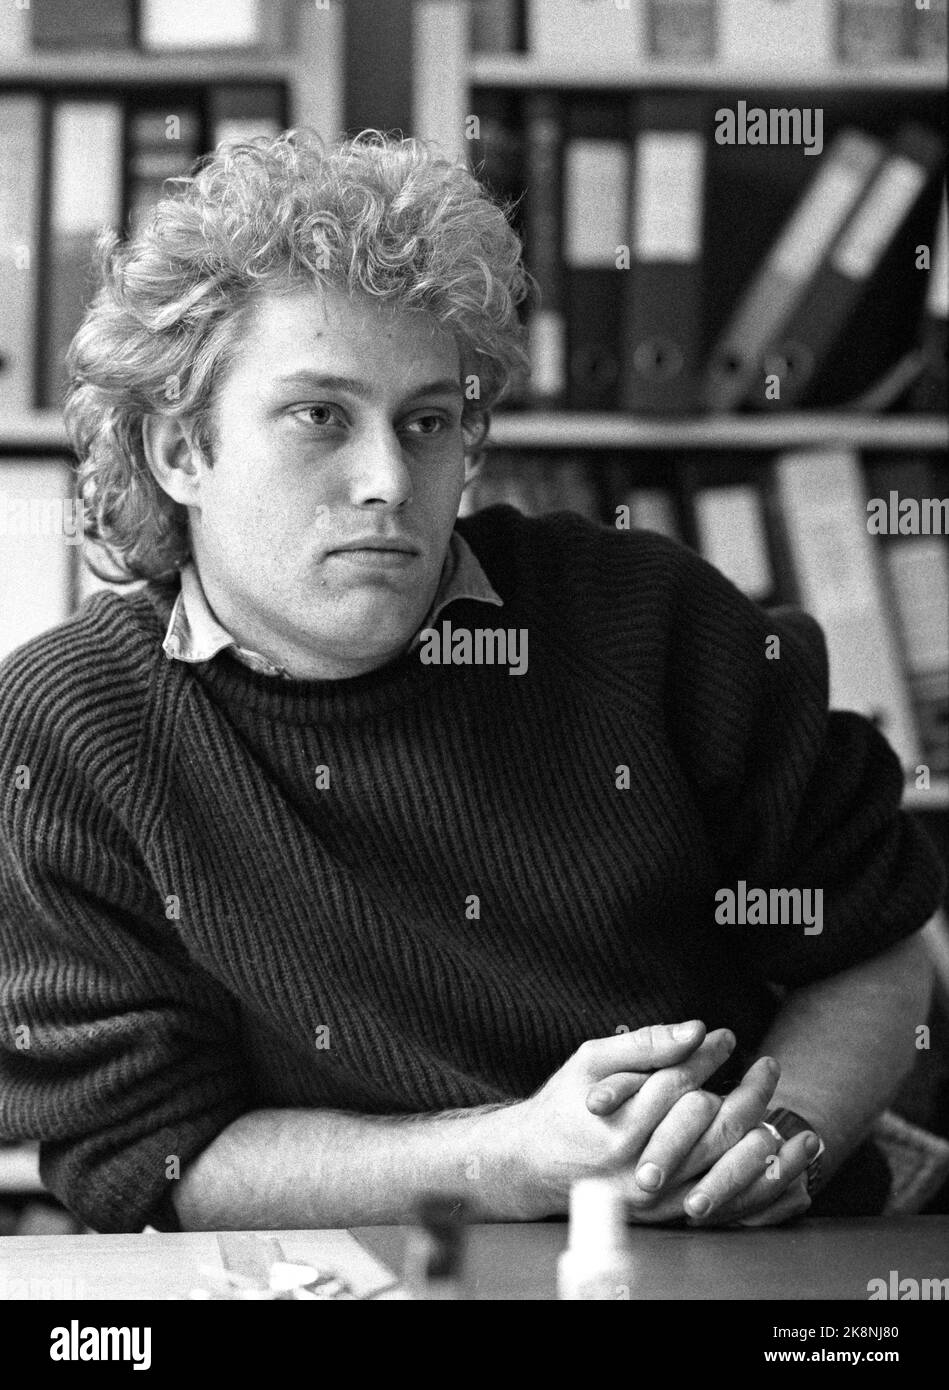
x,y
372,633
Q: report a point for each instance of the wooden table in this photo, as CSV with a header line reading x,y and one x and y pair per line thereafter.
x,y
817,1259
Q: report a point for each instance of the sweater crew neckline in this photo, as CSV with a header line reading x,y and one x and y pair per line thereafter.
x,y
349,699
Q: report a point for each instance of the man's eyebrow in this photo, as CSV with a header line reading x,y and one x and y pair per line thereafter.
x,y
362,390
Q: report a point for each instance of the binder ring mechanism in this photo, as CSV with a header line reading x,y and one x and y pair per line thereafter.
x,y
792,362
595,368
658,359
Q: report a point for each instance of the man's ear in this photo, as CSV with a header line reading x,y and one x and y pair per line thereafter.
x,y
173,457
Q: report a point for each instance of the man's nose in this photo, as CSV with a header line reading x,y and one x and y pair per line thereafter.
x,y
379,472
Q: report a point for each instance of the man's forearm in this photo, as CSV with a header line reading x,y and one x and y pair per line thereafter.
x,y
283,1169
846,1043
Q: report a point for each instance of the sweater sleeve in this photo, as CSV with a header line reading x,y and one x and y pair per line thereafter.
x,y
794,796
117,1052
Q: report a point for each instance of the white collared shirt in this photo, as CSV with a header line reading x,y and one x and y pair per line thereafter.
x,y
195,635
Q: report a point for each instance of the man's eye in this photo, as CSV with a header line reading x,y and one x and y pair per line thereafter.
x,y
322,416
427,424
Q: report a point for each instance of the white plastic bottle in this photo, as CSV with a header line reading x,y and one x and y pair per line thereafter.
x,y
598,1261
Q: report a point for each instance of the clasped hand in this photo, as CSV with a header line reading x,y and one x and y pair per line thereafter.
x,y
677,1150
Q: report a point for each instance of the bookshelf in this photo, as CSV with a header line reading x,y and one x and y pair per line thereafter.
x,y
523,73
539,100
42,431
310,62
554,429
309,65
101,68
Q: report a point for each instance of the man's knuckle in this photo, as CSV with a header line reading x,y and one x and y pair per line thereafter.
x,y
652,1090
730,1129
703,1105
680,1078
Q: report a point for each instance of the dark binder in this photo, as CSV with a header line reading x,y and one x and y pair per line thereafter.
x,y
783,276
544,131
242,111
85,199
792,362
907,492
931,391
595,173
162,143
497,151
59,24
663,310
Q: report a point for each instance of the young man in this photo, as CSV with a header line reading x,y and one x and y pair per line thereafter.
x,y
304,913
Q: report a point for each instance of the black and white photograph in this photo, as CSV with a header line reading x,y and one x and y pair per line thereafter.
x,y
474,667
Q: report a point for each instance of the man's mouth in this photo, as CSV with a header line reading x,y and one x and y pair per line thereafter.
x,y
400,544
379,552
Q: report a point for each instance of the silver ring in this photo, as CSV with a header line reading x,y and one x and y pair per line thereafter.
x,y
772,1130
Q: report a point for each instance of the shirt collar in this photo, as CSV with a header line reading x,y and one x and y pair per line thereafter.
x,y
195,635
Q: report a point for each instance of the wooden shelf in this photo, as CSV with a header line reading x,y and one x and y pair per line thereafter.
x,y
521,70
935,799
123,69
19,1169
44,429
552,430
37,429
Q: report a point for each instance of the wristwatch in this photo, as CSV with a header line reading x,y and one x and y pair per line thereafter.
x,y
784,1124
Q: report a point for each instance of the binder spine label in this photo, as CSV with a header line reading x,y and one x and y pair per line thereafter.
x,y
817,221
667,203
929,32
937,295
874,224
870,30
594,191
548,352
683,30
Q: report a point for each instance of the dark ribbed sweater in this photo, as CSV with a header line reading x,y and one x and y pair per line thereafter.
x,y
191,927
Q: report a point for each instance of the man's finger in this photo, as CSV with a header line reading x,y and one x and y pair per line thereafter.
x,y
658,1045
783,1171
666,1210
792,1202
727,1181
656,1097
742,1109
608,1094
672,1138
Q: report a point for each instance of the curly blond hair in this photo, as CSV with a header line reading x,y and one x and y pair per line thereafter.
x,y
383,216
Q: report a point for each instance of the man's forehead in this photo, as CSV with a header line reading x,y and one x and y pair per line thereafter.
x,y
329,330
316,311
302,377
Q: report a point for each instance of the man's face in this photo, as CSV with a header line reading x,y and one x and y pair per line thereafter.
x,y
338,423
